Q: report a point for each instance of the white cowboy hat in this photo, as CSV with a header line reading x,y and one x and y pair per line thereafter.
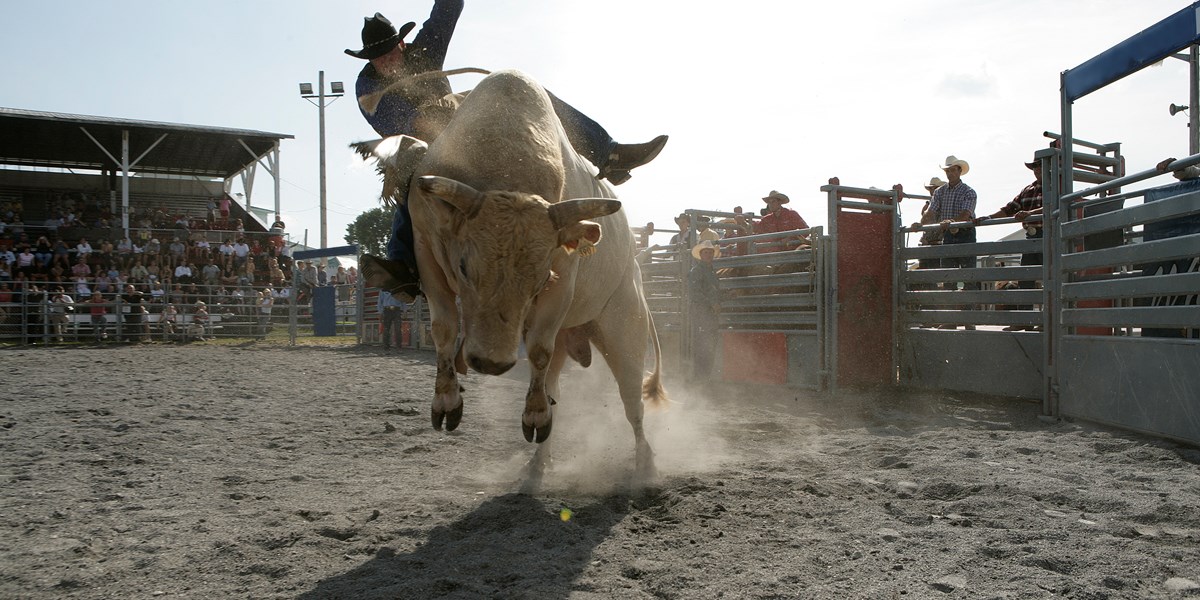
x,y
954,160
782,197
706,245
935,183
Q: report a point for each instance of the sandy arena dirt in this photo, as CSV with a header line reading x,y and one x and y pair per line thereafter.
x,y
210,471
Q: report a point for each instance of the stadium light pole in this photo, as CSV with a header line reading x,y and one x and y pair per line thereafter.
x,y
306,92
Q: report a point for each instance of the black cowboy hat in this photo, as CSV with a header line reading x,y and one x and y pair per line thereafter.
x,y
379,37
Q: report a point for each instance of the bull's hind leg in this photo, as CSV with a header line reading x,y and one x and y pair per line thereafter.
x,y
621,339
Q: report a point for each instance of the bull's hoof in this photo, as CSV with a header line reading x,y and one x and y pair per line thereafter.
x,y
539,434
453,418
437,416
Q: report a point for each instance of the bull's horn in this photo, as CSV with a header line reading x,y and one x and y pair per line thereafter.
x,y
573,211
456,193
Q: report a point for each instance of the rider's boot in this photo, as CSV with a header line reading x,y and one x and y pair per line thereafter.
x,y
623,158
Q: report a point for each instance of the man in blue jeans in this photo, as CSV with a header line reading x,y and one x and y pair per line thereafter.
x,y
402,112
954,202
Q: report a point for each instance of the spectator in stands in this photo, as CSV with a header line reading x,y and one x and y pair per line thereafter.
x,y
82,288
183,273
238,226
57,273
83,249
139,274
200,320
241,250
246,276
228,277
275,274
223,205
265,304
60,310
175,253
225,251
16,227
777,219
62,254
704,303
212,212
322,276
103,283
177,296
26,262
200,250
153,270
105,253
6,270
132,309
7,257
1027,203
99,316
43,251
390,309
153,248
954,202
352,275
158,294
168,320
125,252
210,275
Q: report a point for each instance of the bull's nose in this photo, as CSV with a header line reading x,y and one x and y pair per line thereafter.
x,y
489,367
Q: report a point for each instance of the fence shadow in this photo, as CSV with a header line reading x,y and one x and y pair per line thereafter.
x,y
512,545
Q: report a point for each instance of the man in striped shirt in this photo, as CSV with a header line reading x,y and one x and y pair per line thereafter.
x,y
955,202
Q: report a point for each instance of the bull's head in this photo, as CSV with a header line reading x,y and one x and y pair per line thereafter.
x,y
503,246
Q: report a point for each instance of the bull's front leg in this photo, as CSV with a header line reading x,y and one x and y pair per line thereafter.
x,y
447,394
538,416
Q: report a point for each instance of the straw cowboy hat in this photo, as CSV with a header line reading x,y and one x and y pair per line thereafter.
x,y
954,160
782,197
934,183
706,245
379,36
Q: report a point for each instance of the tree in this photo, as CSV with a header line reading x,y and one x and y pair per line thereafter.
x,y
371,231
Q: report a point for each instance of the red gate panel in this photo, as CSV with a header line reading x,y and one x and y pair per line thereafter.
x,y
864,319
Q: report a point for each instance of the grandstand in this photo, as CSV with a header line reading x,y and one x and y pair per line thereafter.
x,y
49,161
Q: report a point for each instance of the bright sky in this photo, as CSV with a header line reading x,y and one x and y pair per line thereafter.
x,y
756,95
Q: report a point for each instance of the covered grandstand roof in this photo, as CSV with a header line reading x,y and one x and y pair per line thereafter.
x,y
47,139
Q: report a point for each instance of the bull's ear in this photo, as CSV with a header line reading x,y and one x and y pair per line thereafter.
x,y
566,212
461,196
582,236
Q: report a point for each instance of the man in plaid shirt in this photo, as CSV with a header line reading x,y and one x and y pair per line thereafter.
x,y
953,202
1027,203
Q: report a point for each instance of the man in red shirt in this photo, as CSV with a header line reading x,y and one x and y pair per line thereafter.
x,y
776,218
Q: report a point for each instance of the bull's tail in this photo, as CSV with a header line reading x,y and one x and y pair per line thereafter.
x,y
653,392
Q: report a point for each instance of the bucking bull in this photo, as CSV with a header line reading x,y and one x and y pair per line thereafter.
x,y
508,219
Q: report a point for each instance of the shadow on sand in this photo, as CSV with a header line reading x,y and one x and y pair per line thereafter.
x,y
510,546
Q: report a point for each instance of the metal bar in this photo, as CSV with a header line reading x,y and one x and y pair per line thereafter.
x,y
1153,316
977,274
944,297
1026,246
1134,287
757,281
771,318
1136,177
772,301
1175,248
976,317
1176,206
